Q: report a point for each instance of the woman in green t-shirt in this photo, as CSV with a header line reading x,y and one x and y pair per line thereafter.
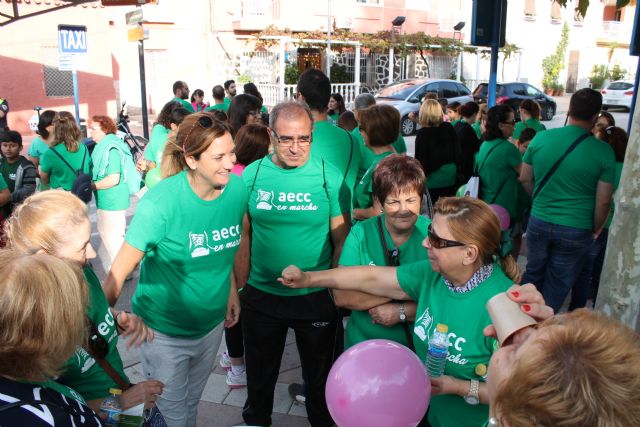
x,y
498,161
398,182
109,184
170,117
379,127
467,266
67,156
40,143
57,223
335,108
186,232
529,118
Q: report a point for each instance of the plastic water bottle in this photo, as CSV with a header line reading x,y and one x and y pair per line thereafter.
x,y
438,351
111,408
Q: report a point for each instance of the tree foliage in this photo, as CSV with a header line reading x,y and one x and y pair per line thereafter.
x,y
553,64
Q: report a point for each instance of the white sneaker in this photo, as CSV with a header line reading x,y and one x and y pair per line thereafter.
x,y
236,380
225,361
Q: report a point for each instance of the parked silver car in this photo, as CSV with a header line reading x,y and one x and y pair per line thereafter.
x,y
406,96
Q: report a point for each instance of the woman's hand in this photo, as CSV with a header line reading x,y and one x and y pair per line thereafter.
x,y
386,314
293,277
531,303
142,165
233,310
134,328
445,384
144,392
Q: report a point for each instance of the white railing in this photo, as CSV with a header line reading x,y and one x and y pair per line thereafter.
x,y
270,92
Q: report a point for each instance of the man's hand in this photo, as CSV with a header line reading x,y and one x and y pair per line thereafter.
x,y
134,328
386,314
233,310
144,392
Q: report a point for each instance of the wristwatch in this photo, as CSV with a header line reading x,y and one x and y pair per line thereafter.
x,y
403,316
473,397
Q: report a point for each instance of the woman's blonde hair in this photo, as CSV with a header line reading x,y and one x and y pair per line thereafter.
x,y
430,114
42,314
585,372
195,134
66,131
473,222
41,221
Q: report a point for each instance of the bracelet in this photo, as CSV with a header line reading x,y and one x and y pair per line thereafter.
x,y
118,326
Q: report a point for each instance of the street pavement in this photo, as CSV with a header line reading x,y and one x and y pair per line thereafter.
x,y
220,406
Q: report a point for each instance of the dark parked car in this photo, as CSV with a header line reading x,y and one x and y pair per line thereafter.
x,y
406,96
512,94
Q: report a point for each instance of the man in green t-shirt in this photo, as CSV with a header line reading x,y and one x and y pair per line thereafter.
x,y
181,94
331,143
230,89
298,213
570,210
218,100
18,172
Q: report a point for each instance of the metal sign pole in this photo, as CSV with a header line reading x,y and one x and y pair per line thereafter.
x,y
143,90
76,96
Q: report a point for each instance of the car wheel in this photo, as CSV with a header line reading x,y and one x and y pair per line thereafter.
x,y
408,126
548,113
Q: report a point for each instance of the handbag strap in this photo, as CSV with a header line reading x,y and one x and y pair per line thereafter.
x,y
106,366
405,325
75,172
555,166
477,169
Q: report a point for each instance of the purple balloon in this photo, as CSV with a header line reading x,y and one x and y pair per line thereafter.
x,y
503,216
378,383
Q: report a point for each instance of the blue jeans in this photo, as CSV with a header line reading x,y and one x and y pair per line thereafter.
x,y
556,256
589,279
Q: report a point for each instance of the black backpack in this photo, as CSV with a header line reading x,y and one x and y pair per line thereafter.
x,y
82,184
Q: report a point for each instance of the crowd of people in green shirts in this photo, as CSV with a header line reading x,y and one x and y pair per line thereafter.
x,y
319,187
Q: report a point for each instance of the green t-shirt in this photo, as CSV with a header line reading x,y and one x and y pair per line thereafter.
x,y
337,147
8,172
476,128
115,198
290,211
498,178
363,247
186,104
189,246
616,183
227,102
333,118
523,201
3,184
568,198
455,122
531,123
399,145
81,372
466,316
362,197
60,175
221,107
157,141
444,176
37,147
367,155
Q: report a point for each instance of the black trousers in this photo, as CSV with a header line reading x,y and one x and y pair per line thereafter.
x,y
234,339
265,321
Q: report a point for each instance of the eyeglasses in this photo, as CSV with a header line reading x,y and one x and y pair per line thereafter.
x,y
511,122
287,141
440,243
255,113
394,257
205,122
96,343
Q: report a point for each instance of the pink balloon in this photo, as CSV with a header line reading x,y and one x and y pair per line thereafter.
x,y
378,383
503,216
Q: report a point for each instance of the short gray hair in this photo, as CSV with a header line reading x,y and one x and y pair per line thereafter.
x,y
364,100
289,110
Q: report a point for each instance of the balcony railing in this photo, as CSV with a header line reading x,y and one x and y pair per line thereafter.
x,y
270,92
615,30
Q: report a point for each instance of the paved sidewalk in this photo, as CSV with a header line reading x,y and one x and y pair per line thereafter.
x,y
220,406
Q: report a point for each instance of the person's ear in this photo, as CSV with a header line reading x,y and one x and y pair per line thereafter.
x,y
471,254
191,162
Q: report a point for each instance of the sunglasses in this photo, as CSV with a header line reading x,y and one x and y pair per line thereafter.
x,y
440,243
96,342
205,122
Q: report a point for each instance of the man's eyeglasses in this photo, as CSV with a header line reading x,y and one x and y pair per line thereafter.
x,y
287,141
440,243
96,342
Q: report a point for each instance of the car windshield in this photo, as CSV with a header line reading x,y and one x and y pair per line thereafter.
x,y
620,86
400,90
